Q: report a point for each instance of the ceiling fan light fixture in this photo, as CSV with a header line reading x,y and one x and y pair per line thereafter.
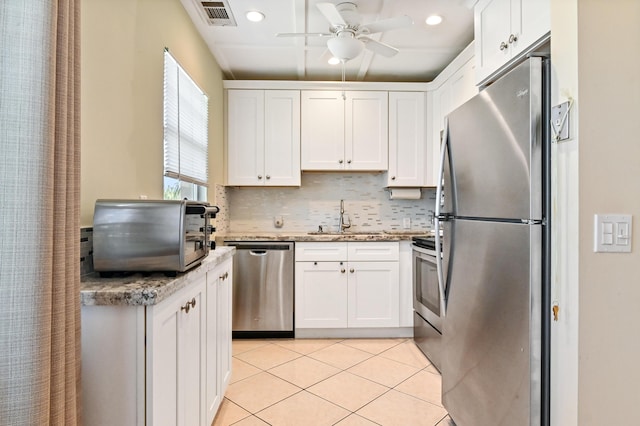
x,y
434,20
254,16
345,48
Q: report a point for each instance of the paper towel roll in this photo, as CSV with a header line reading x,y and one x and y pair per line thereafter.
x,y
404,193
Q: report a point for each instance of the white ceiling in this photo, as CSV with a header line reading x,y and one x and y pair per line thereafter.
x,y
251,51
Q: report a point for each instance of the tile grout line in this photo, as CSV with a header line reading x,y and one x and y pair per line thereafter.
x,y
307,355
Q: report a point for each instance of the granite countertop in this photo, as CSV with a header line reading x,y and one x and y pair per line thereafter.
x,y
393,235
139,289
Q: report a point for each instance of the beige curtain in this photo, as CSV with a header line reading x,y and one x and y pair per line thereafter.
x,y
39,212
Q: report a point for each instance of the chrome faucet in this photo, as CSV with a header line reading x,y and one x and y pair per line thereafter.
x,y
343,224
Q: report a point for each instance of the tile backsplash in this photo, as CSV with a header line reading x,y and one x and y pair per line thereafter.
x,y
317,202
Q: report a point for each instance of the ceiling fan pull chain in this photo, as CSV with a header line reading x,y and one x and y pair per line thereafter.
x,y
344,97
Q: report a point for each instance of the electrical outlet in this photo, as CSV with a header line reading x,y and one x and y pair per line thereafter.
x,y
278,221
406,223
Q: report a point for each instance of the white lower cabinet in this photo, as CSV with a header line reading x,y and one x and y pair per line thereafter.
x,y
347,285
218,370
373,294
165,364
176,357
224,318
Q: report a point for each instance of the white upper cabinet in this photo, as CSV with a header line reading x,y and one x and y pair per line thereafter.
x,y
407,139
344,130
505,29
456,87
263,137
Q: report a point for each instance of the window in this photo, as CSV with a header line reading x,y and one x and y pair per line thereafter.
x,y
185,122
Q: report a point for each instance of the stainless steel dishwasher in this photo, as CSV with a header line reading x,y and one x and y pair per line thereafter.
x,y
262,289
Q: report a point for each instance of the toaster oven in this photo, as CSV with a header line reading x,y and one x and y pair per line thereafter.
x,y
150,235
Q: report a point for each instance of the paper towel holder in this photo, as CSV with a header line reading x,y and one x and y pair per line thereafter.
x,y
404,193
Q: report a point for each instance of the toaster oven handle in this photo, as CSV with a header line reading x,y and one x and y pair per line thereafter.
x,y
212,211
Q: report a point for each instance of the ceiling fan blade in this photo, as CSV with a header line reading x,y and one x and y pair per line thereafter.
x,y
387,24
331,13
304,35
378,47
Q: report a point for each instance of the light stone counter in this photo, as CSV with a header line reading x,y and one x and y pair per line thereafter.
x,y
318,237
138,289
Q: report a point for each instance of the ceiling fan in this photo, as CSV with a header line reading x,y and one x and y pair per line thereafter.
x,y
347,37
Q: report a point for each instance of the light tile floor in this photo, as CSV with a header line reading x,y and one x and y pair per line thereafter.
x,y
317,382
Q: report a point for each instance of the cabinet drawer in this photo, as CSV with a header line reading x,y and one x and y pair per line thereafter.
x,y
321,252
386,251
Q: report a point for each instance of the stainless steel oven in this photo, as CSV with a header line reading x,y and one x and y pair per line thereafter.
x,y
427,305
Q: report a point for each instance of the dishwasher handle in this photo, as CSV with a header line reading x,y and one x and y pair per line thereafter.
x,y
259,247
258,252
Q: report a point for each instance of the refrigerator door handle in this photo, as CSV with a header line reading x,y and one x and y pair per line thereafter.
x,y
439,217
439,266
439,182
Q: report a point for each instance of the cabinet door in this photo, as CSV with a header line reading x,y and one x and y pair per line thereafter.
x,y
321,295
245,137
213,395
218,336
322,130
440,108
373,294
406,284
407,139
224,327
282,138
192,356
462,85
492,19
366,130
533,21
175,358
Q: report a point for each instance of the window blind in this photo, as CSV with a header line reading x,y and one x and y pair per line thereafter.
x,y
185,124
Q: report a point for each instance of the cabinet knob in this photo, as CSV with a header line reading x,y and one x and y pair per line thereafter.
x,y
268,176
351,270
340,161
513,38
348,161
503,46
187,306
393,178
343,270
259,177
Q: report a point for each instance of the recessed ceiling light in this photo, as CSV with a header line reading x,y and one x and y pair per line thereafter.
x,y
434,20
334,61
254,16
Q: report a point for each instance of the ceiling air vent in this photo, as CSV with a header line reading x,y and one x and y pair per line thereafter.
x,y
218,13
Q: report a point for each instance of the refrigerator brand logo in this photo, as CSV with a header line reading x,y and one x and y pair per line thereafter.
x,y
522,93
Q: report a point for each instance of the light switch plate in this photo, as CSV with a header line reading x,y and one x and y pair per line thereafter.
x,y
612,233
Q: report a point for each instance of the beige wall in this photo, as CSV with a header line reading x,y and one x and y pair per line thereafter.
x,y
595,343
609,86
122,83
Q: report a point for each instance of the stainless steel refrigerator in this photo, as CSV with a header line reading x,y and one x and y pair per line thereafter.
x,y
493,211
